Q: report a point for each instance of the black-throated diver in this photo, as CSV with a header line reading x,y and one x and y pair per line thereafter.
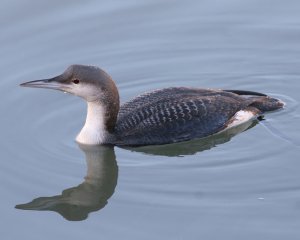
x,y
159,117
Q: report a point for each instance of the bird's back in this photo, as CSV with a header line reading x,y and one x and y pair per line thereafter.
x,y
175,114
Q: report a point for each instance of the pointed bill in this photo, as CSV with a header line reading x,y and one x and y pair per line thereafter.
x,y
51,83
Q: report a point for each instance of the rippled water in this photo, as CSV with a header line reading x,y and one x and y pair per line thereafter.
x,y
245,187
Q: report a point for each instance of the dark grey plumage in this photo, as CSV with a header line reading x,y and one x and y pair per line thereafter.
x,y
179,114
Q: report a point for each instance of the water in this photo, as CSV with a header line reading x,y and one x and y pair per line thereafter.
x,y
246,187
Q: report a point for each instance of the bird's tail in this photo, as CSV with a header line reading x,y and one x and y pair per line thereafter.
x,y
261,101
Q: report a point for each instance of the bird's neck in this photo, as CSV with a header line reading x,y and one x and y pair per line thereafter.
x,y
95,130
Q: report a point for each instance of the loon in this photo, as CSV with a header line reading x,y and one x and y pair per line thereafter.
x,y
158,117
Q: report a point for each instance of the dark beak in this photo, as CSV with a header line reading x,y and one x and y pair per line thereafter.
x,y
51,83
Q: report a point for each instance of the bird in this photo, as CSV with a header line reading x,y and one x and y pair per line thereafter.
x,y
157,117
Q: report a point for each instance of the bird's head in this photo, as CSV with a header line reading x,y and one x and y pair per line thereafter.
x,y
89,82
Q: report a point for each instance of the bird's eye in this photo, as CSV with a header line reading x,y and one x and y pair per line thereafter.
x,y
76,81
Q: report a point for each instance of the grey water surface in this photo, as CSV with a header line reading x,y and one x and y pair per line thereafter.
x,y
233,186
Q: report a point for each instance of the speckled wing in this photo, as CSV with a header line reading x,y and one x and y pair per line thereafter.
x,y
175,114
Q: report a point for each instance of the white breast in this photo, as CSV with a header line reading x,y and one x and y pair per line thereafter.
x,y
93,131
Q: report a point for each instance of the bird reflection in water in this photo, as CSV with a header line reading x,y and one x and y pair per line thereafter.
x,y
91,195
76,203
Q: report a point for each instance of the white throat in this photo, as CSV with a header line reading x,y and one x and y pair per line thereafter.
x,y
93,131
